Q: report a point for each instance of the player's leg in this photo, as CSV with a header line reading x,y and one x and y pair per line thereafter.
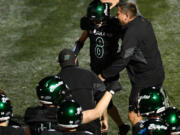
x,y
133,116
113,111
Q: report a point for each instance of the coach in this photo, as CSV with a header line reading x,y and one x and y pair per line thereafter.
x,y
139,55
85,87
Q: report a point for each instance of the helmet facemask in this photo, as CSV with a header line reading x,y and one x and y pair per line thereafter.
x,y
98,12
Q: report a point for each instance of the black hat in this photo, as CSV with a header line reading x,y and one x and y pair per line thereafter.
x,y
66,58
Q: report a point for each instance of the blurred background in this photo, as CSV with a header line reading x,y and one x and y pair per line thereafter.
x,y
32,32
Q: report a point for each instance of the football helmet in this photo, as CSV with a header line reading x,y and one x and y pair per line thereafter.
x,y
151,101
50,88
69,114
154,127
172,117
5,108
98,11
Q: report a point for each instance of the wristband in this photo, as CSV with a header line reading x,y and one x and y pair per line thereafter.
x,y
112,92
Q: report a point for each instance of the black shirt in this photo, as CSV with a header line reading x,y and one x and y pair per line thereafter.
x,y
103,42
14,123
86,88
139,55
66,133
40,118
11,131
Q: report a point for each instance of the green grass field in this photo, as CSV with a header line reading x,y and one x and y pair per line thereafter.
x,y
32,32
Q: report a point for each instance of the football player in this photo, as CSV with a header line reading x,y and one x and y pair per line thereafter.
x,y
69,117
42,118
5,117
104,33
160,118
151,103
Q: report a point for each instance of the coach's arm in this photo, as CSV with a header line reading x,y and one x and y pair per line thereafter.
x,y
97,112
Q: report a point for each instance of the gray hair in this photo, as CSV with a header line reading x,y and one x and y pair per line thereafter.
x,y
128,8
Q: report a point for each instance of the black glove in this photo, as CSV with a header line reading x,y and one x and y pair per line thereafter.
x,y
77,47
113,86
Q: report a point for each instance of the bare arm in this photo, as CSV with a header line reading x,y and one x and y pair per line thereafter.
x,y
97,112
112,2
83,36
101,78
104,122
27,131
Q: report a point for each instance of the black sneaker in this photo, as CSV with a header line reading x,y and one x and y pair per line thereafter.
x,y
123,129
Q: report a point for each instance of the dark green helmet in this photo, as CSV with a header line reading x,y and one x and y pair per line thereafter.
x,y
5,108
98,11
151,101
156,127
172,117
50,88
69,114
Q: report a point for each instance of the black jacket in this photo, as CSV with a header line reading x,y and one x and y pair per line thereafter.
x,y
139,55
86,89
66,133
11,131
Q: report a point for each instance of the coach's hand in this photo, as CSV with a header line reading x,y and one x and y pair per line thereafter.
x,y
113,2
104,127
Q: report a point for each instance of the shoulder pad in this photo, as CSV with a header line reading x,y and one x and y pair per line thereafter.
x,y
113,21
39,114
85,23
14,123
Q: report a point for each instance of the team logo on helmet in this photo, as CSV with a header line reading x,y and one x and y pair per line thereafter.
x,y
50,88
156,127
151,101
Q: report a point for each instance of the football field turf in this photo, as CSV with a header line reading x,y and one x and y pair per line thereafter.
x,y
32,32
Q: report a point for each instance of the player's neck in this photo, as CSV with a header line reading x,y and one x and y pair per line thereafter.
x,y
69,129
50,106
4,124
